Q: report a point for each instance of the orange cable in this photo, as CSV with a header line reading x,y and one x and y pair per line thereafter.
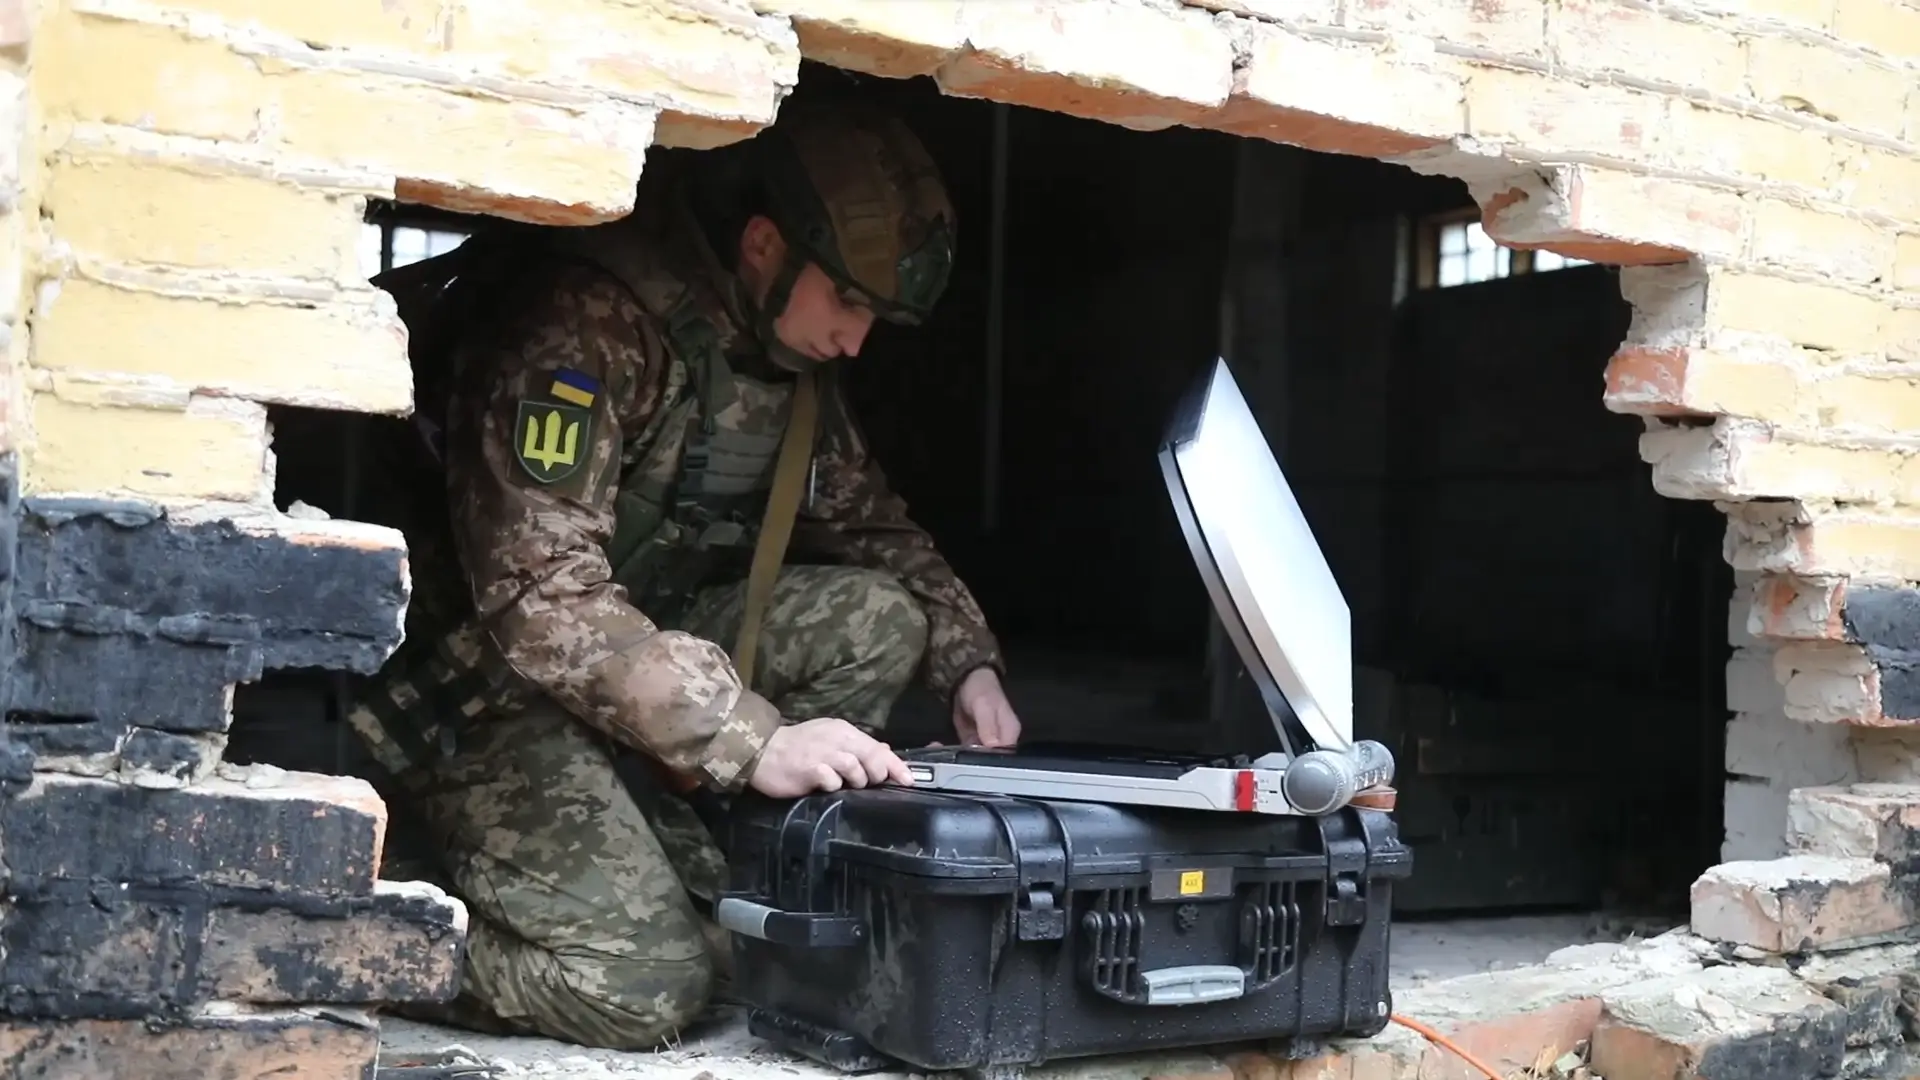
x,y
1445,1043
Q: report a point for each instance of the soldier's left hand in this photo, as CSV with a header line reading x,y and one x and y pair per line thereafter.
x,y
982,715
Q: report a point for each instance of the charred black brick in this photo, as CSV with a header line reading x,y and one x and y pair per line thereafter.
x,y
405,943
99,955
145,952
312,604
16,766
227,1043
1730,1022
100,663
115,747
16,759
1809,1047
304,834
1886,621
48,735
1873,1009
182,757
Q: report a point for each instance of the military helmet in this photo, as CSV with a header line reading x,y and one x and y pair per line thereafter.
x,y
856,192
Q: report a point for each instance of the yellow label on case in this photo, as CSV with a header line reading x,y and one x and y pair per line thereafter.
x,y
1192,881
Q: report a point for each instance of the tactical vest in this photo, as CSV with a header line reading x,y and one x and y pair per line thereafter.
x,y
693,486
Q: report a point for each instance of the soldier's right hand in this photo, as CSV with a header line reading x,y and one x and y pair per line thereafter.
x,y
825,754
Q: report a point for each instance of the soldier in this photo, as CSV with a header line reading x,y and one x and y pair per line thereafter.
x,y
619,425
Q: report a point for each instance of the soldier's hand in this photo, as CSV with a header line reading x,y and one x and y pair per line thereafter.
x,y
982,715
824,754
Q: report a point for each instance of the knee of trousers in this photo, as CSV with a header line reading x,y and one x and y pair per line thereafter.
x,y
618,1003
899,637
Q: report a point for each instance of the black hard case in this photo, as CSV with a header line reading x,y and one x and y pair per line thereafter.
x,y
969,931
948,930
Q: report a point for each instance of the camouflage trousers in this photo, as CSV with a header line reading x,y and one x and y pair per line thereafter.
x,y
584,878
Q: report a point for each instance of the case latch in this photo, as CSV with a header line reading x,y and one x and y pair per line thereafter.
x,y
1346,904
1039,917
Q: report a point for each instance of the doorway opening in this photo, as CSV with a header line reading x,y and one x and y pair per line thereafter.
x,y
1539,636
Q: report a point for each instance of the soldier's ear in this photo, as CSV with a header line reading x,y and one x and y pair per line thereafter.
x,y
761,246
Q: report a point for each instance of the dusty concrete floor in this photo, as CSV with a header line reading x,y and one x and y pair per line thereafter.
x,y
1423,953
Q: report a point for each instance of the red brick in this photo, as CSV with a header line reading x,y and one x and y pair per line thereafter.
x,y
1728,1021
1682,381
1798,609
219,1043
1799,904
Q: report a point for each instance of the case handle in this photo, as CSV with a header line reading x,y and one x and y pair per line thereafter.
x,y
757,920
1195,984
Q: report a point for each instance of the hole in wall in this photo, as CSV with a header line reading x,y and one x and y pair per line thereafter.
x,y
1539,635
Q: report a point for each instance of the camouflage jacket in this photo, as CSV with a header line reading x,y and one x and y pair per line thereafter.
x,y
513,588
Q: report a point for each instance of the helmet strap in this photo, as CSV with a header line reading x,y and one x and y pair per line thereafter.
x,y
779,294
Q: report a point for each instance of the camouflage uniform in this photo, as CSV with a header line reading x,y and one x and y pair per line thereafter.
x,y
601,410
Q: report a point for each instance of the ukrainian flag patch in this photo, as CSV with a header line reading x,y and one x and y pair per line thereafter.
x,y
574,388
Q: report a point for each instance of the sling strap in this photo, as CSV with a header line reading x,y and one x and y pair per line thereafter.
x,y
783,503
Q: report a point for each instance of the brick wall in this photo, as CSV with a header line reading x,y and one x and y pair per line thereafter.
x,y
186,181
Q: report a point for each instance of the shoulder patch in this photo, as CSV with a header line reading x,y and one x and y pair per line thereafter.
x,y
552,441
574,388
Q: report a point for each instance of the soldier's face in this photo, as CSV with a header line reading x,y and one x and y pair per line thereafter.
x,y
818,323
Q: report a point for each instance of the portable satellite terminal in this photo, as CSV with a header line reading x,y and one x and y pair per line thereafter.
x,y
1014,907
1284,613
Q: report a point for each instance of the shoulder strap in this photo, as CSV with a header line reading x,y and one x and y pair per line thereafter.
x,y
783,503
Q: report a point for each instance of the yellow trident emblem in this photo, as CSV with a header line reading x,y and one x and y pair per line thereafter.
x,y
551,444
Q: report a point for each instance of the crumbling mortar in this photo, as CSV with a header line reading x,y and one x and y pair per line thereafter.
x,y
243,159
229,287
1745,24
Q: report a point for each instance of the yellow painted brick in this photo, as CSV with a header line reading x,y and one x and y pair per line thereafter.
x,y
1792,470
1876,544
879,37
1903,333
1613,37
147,77
1710,140
1511,27
710,59
1882,181
1816,14
1657,382
1655,211
1132,64
1548,115
348,354
1354,83
1885,26
1882,404
211,450
1816,316
517,159
1823,243
142,211
1906,265
406,26
1816,79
